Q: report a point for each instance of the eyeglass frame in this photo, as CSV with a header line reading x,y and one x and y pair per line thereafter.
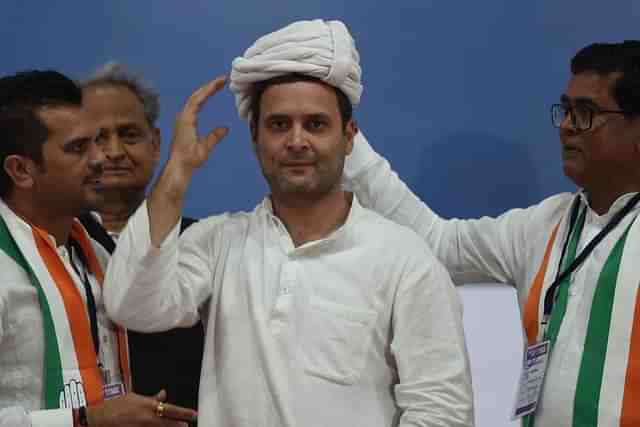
x,y
569,109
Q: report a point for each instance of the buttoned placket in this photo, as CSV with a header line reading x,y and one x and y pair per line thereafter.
x,y
290,291
281,311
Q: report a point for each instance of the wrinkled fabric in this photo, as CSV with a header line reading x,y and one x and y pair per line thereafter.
x,y
360,328
321,49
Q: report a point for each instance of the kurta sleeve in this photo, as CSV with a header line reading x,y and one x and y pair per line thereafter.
x,y
17,417
475,250
152,289
428,345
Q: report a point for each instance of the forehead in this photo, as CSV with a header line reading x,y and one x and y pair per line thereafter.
x,y
593,86
112,103
67,123
299,98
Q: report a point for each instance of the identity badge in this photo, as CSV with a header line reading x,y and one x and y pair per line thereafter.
x,y
530,386
113,390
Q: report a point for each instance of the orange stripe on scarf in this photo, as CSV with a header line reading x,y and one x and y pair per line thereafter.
x,y
630,416
532,307
78,320
79,234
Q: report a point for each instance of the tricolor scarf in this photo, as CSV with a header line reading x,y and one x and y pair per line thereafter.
x,y
608,388
71,374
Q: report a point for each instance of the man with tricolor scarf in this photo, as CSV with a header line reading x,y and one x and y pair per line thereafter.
x,y
573,258
63,363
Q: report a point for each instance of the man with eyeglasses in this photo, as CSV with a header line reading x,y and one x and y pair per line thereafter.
x,y
573,258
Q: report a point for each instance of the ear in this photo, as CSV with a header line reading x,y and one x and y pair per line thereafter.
x,y
155,143
350,132
21,170
253,130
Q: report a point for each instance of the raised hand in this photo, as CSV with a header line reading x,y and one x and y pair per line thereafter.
x,y
188,150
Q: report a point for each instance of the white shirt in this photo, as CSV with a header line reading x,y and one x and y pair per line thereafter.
x,y
355,329
507,249
22,342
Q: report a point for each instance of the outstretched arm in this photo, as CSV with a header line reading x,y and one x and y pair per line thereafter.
x,y
187,153
155,282
476,250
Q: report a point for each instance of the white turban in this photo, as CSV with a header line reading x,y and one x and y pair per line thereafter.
x,y
320,49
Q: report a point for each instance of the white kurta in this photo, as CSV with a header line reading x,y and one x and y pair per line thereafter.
x,y
509,249
361,328
22,338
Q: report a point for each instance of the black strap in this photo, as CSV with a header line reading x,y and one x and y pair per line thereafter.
x,y
91,301
100,235
550,295
186,222
97,232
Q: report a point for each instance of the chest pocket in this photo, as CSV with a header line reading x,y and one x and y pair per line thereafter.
x,y
338,340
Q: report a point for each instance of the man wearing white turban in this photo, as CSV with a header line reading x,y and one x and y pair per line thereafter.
x,y
318,312
324,50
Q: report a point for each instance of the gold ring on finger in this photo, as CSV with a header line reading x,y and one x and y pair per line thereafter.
x,y
160,409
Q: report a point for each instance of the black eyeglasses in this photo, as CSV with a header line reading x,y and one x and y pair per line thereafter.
x,y
581,116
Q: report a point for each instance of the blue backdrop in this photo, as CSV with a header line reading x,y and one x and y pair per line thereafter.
x,y
456,95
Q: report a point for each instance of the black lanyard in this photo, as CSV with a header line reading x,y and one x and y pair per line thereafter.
x,y
91,302
550,295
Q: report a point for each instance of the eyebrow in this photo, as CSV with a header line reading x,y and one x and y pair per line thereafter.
x,y
316,116
280,116
129,126
120,127
276,116
581,100
81,139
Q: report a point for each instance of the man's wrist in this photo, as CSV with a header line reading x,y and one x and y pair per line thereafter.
x,y
175,180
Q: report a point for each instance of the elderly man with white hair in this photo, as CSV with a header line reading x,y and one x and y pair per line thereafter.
x,y
318,312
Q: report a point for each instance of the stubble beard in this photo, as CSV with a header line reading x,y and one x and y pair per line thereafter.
x,y
311,188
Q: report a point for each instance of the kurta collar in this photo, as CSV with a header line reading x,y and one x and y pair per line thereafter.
x,y
266,207
615,207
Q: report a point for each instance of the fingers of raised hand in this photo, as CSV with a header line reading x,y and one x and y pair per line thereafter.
x,y
200,96
214,137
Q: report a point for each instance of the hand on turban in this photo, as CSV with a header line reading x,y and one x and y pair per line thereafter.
x,y
320,49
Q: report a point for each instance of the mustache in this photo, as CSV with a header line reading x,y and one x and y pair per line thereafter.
x,y
301,159
96,172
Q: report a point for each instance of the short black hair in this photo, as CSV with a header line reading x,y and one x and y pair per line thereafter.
x,y
607,58
22,131
344,105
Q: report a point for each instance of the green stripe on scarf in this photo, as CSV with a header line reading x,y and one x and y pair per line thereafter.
x,y
560,306
587,399
52,363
